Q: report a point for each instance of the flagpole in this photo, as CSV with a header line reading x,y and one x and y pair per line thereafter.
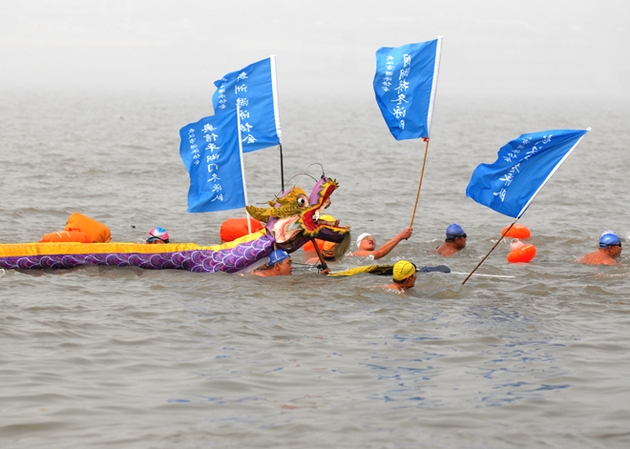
x,y
424,162
531,180
276,113
492,249
240,151
436,70
281,169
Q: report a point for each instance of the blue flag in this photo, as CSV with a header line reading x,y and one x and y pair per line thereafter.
x,y
253,89
522,168
405,85
212,155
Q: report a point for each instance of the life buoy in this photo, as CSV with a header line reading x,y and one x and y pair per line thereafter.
x,y
234,228
98,232
308,246
518,231
66,236
522,254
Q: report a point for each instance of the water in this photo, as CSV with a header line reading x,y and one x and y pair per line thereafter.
x,y
536,356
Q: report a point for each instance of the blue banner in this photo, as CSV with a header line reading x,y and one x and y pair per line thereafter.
x,y
405,85
253,89
212,156
522,168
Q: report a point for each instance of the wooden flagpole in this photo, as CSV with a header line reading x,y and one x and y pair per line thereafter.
x,y
492,249
424,162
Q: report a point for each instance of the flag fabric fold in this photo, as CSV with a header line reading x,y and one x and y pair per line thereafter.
x,y
522,168
405,85
254,90
211,153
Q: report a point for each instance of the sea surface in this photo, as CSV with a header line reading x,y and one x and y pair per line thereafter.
x,y
522,355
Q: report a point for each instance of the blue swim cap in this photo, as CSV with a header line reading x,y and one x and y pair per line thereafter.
x,y
277,256
609,238
454,230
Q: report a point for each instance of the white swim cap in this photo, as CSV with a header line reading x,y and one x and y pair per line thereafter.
x,y
361,237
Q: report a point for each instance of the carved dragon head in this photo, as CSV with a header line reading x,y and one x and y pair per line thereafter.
x,y
293,217
290,203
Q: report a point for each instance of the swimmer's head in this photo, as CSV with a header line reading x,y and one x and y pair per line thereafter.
x,y
361,237
516,244
158,234
609,238
453,231
277,256
402,270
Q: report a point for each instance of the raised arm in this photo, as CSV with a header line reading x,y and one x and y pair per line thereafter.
x,y
385,249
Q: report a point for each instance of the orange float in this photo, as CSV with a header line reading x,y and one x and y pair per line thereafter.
x,y
234,228
98,232
66,236
518,231
308,246
523,254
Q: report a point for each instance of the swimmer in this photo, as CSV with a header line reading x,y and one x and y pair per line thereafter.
x,y
366,245
404,276
455,241
157,236
609,250
279,264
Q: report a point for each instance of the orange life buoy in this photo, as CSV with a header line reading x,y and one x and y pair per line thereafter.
x,y
308,246
98,232
233,228
66,236
518,231
523,254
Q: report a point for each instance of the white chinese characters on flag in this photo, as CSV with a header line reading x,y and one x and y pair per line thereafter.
x,y
405,85
211,153
253,90
522,168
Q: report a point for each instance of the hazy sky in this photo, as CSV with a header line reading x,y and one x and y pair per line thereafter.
x,y
568,47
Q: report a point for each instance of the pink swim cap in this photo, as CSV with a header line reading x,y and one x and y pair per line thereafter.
x,y
159,234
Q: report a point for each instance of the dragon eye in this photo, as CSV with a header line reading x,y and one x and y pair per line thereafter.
x,y
302,201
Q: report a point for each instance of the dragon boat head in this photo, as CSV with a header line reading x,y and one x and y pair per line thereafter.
x,y
292,218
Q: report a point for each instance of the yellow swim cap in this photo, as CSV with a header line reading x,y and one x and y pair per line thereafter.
x,y
403,269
